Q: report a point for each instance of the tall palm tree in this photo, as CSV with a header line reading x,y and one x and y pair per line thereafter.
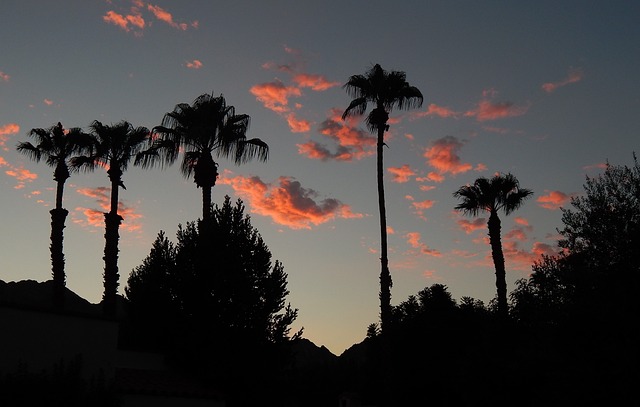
x,y
501,192
114,148
208,125
386,90
57,146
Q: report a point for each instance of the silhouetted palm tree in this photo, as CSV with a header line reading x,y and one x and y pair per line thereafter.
x,y
501,192
208,125
58,147
114,148
386,90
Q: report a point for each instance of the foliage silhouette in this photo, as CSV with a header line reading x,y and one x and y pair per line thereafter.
x,y
387,90
215,301
114,147
57,146
206,126
500,192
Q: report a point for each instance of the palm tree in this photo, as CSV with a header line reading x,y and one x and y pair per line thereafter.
x,y
58,147
114,148
501,192
208,125
386,90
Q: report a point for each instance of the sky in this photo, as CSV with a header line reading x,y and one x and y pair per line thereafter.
x,y
546,90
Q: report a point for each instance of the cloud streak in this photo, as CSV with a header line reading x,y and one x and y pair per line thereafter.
x,y
95,218
287,202
553,200
574,76
132,20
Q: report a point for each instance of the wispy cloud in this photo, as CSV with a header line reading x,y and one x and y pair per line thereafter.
x,y
470,226
401,174
195,64
4,77
95,218
434,110
553,200
575,75
487,109
48,102
7,130
275,95
287,202
21,175
352,143
443,156
132,19
414,239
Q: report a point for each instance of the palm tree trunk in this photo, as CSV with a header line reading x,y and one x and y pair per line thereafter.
x,y
58,216
112,224
498,261
206,202
385,275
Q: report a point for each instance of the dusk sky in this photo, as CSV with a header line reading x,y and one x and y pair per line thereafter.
x,y
546,90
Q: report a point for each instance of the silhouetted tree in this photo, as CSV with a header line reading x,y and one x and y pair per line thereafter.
x,y
58,146
386,90
217,296
114,147
501,192
208,125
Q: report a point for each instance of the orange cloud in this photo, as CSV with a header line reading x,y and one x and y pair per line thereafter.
x,y
275,95
21,174
421,206
521,221
166,17
4,77
443,156
487,110
195,64
553,200
575,75
102,196
353,143
298,125
288,203
5,131
435,110
414,240
435,177
124,21
315,82
401,174
470,226
48,102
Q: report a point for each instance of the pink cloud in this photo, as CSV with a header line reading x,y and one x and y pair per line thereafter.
x,y
124,21
599,166
7,130
166,17
521,221
443,156
414,240
287,203
553,200
21,175
401,174
470,226
95,218
4,77
195,64
420,206
353,143
48,102
437,111
435,177
575,75
275,95
488,110
315,82
298,125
